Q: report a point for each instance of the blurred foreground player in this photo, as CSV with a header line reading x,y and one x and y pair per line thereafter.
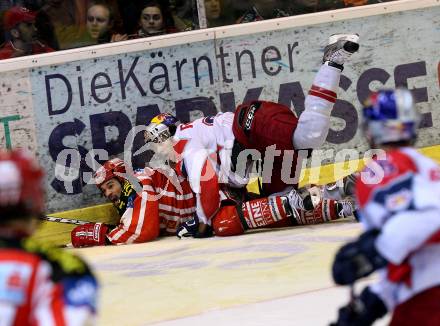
x,y
38,285
216,150
399,203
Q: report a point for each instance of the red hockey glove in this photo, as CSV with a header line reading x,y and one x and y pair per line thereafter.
x,y
90,234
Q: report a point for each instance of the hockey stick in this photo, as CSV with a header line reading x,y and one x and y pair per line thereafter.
x,y
63,220
353,304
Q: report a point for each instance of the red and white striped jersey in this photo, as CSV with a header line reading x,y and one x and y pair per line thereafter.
x,y
404,204
165,201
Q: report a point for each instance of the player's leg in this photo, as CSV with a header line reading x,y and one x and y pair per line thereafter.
x,y
294,208
253,214
314,122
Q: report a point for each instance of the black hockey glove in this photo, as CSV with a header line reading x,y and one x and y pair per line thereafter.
x,y
191,229
357,259
362,310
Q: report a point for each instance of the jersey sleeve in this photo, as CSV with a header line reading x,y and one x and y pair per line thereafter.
x,y
70,301
406,232
64,290
208,197
198,164
404,205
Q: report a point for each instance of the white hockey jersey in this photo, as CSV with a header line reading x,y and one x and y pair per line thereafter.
x,y
205,147
405,205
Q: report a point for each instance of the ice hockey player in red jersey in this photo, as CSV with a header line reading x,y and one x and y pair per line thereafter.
x,y
150,203
215,150
39,285
165,205
399,201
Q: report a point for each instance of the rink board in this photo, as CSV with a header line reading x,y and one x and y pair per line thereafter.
x,y
59,234
218,281
76,106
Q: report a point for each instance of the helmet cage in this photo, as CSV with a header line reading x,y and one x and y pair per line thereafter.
x,y
157,133
161,128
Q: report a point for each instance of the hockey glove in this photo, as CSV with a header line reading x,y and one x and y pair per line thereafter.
x,y
362,310
90,234
191,229
357,259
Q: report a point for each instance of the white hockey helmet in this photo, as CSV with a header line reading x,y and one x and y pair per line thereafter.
x,y
161,128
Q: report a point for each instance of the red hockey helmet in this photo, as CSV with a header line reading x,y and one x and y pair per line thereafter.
x,y
114,168
21,185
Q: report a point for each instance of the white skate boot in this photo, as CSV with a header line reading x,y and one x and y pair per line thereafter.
x,y
346,208
340,47
296,201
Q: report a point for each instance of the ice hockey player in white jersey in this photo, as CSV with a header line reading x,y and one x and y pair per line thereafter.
x,y
399,203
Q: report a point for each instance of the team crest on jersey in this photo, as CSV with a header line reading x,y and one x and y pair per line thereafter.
x,y
14,280
209,121
398,201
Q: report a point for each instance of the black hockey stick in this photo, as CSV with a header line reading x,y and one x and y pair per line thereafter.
x,y
63,220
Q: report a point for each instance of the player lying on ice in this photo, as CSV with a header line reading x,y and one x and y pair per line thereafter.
x,y
40,286
212,151
399,206
159,202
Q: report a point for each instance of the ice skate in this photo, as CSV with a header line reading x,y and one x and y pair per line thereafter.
x,y
296,201
340,47
345,208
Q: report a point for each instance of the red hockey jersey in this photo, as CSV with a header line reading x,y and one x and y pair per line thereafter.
x,y
165,201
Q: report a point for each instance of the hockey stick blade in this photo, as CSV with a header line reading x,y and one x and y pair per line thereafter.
x,y
63,220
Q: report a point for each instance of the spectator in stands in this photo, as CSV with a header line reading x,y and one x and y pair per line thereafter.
x,y
250,11
155,19
66,18
183,12
21,34
99,24
215,14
